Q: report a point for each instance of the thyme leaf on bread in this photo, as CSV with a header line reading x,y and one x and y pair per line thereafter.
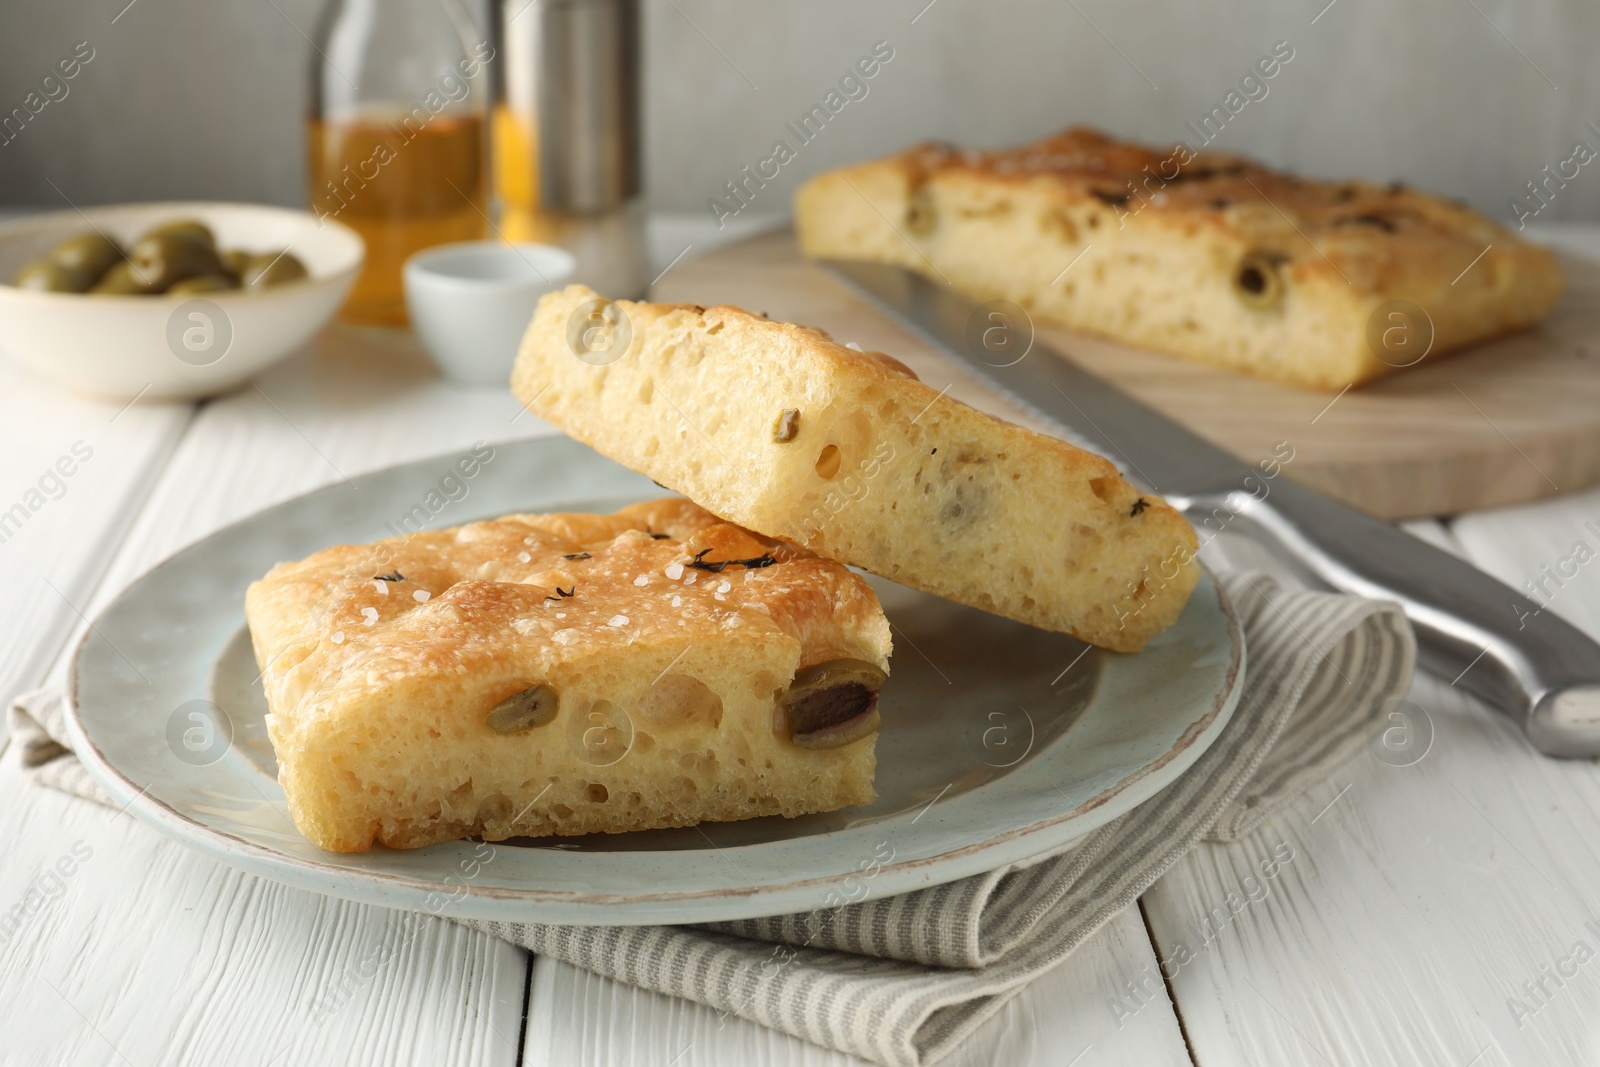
x,y
753,563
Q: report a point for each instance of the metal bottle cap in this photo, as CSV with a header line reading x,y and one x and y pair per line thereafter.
x,y
571,67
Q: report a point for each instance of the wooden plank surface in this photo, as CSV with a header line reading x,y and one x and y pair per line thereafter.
x,y
1415,900
1509,421
1416,903
1549,551
145,952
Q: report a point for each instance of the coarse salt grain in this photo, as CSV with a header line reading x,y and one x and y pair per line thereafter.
x,y
725,586
524,557
617,620
566,637
674,571
691,579
383,587
643,579
338,637
421,596
370,614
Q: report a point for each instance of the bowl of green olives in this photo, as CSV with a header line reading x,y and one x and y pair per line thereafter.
x,y
168,300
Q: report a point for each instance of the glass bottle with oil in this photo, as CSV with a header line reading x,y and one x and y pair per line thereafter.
x,y
397,137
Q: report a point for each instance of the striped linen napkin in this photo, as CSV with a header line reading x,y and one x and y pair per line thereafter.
x,y
903,980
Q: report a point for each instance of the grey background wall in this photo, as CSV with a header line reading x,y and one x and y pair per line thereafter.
x,y
205,98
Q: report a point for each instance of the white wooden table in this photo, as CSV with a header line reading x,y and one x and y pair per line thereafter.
x,y
1444,913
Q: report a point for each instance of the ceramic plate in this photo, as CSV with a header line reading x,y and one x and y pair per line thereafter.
x,y
999,741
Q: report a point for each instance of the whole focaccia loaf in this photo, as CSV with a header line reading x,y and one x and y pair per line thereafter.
x,y
566,674
779,429
1206,256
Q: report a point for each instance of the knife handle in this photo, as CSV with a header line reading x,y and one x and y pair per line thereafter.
x,y
1477,633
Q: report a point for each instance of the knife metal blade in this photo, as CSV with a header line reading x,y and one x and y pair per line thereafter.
x,y
1472,630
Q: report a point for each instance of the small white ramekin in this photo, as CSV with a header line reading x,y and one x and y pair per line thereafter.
x,y
471,302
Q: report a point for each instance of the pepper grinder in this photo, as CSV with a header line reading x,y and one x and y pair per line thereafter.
x,y
566,135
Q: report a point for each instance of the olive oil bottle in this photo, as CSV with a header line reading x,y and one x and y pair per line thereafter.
x,y
397,136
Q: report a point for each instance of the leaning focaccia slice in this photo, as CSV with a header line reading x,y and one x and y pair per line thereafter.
x,y
779,429
1206,256
566,674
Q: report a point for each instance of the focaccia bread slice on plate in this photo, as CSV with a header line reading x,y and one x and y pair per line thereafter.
x,y
566,674
779,429
1203,255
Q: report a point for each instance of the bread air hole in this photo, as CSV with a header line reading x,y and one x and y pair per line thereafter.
x,y
494,809
1258,283
596,793
680,700
828,462
1101,488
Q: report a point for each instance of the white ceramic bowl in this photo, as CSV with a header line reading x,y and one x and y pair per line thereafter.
x,y
470,303
171,347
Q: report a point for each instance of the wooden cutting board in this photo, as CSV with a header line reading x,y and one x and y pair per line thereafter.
x,y
1503,423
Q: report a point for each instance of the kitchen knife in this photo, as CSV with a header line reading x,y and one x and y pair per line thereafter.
x,y
1472,630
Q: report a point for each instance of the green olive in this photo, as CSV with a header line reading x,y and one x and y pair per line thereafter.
x,y
272,268
45,276
87,255
831,704
203,283
1258,282
161,259
787,426
535,706
193,229
120,281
